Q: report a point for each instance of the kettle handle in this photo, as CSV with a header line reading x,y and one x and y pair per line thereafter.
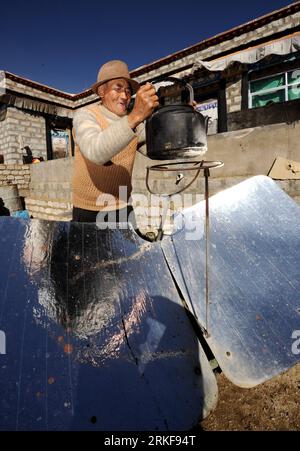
x,y
177,80
206,118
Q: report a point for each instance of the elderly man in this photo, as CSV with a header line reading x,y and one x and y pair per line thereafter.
x,y
107,137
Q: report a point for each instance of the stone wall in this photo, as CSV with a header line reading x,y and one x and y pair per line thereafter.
x,y
233,94
3,138
22,129
50,190
15,174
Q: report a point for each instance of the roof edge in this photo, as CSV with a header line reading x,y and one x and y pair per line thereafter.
x,y
45,88
226,35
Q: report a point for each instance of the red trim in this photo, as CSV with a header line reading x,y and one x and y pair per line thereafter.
x,y
44,88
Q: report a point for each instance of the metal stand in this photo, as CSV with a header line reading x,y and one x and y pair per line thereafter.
x,y
197,166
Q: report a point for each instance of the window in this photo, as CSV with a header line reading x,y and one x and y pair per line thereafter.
x,y
277,88
60,143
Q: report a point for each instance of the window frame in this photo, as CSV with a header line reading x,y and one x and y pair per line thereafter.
x,y
284,87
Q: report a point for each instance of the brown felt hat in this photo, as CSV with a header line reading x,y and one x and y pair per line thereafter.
x,y
114,69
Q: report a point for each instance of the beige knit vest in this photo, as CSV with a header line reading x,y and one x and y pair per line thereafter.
x,y
96,187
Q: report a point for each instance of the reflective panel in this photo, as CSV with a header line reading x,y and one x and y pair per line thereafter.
x,y
96,337
254,277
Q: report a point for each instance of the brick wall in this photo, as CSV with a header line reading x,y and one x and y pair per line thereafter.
x,y
50,193
233,94
3,138
15,174
22,129
47,209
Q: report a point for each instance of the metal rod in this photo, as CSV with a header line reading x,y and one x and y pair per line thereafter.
x,y
195,166
178,166
206,175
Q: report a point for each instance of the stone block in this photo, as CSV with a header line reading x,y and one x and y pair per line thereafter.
x,y
233,108
11,120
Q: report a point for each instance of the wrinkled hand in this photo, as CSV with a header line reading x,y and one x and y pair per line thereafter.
x,y
145,102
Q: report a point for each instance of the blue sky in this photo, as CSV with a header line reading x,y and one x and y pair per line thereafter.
x,y
63,43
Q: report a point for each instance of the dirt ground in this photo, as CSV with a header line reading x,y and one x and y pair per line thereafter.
x,y
273,405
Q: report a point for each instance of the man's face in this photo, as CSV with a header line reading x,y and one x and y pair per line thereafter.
x,y
116,95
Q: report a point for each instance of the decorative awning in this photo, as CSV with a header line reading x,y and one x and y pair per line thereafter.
x,y
31,104
28,104
284,46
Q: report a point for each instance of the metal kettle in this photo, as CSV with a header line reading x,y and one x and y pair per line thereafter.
x,y
176,131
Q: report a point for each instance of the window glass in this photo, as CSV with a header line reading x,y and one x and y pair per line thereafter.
x,y
294,76
60,143
294,92
267,99
267,83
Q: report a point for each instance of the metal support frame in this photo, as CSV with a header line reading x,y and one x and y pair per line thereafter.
x,y
193,166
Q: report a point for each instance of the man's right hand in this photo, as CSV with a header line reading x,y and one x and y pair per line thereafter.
x,y
145,102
